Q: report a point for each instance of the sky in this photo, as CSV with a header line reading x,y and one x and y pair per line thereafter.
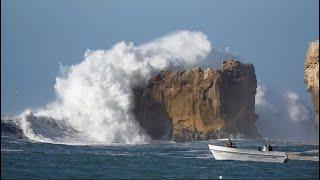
x,y
37,36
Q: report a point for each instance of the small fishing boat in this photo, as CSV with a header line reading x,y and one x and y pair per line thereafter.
x,y
228,153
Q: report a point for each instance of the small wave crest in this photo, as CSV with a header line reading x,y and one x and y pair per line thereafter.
x,y
46,130
11,150
10,127
50,130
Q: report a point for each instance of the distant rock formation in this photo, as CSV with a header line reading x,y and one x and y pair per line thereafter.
x,y
311,75
198,105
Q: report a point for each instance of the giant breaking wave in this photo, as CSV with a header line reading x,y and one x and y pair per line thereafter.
x,y
94,98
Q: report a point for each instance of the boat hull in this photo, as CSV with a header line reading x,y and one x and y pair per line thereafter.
x,y
225,153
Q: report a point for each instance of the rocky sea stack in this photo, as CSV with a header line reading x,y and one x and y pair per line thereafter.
x,y
311,75
198,104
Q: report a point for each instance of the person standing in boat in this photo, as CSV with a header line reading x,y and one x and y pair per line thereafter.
x,y
229,143
267,146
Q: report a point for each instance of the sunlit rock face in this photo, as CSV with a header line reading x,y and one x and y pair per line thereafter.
x,y
311,75
198,104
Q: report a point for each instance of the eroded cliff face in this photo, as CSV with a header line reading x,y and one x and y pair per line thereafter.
x,y
311,75
198,105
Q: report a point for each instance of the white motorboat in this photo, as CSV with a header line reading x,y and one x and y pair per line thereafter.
x,y
227,153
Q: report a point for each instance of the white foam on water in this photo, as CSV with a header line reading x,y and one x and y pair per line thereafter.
x,y
302,158
11,150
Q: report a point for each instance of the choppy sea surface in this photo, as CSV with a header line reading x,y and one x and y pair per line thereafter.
x,y
24,159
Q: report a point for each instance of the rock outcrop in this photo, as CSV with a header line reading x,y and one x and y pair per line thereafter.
x,y
197,105
311,75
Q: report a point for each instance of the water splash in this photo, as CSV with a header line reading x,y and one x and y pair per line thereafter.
x,y
94,97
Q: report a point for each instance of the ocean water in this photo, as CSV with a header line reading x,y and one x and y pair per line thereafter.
x,y
24,159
